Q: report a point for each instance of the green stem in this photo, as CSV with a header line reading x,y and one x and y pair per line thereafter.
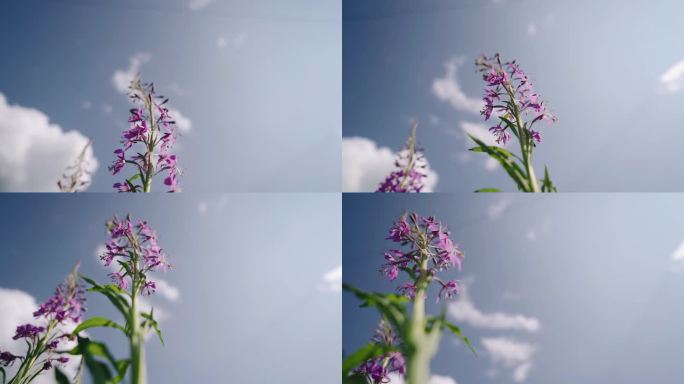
x,y
138,375
525,143
147,186
420,347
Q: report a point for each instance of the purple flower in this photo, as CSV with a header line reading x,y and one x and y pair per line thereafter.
x,y
67,303
411,166
149,287
448,290
379,368
152,132
27,331
7,359
509,80
136,250
430,250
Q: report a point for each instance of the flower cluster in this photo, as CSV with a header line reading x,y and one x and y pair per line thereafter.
x,y
510,94
411,164
136,250
377,370
153,130
76,177
430,250
67,304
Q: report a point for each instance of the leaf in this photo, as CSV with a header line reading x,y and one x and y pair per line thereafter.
x,y
94,322
355,379
4,374
457,332
547,184
60,377
113,293
506,159
487,190
369,351
153,323
99,370
391,306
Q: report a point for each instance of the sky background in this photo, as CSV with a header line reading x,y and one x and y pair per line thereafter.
x,y
257,84
253,295
570,288
612,71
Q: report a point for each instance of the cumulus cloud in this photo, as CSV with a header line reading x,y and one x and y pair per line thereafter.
x,y
122,78
196,5
35,153
183,124
463,310
17,308
673,78
365,165
166,290
332,280
511,354
448,89
434,379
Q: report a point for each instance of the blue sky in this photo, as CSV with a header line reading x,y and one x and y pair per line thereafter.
x,y
259,84
257,292
585,288
612,71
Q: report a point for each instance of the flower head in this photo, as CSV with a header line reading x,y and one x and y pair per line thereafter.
x,y
27,331
430,250
508,81
152,133
410,171
377,370
7,358
135,248
67,303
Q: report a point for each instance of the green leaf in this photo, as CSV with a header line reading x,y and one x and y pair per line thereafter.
x,y
94,322
153,323
113,293
457,332
92,352
547,184
354,379
369,351
506,159
487,190
4,374
60,377
391,306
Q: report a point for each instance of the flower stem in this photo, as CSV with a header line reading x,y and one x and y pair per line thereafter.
x,y
420,350
137,343
150,146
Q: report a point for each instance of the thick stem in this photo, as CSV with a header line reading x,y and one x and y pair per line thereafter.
x,y
150,146
138,375
421,349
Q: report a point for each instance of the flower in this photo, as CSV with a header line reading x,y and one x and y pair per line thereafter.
x,y
411,166
152,131
508,80
135,248
379,368
67,303
430,250
7,358
27,331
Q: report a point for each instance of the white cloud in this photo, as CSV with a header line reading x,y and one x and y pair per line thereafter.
x,y
196,5
448,89
532,29
512,354
434,379
183,124
221,42
332,280
673,78
498,207
202,207
35,153
17,308
365,165
463,310
678,257
86,104
166,290
531,235
107,109
122,78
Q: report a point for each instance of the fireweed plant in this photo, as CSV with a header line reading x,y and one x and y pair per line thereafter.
x,y
43,337
75,177
147,144
407,340
410,164
510,97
